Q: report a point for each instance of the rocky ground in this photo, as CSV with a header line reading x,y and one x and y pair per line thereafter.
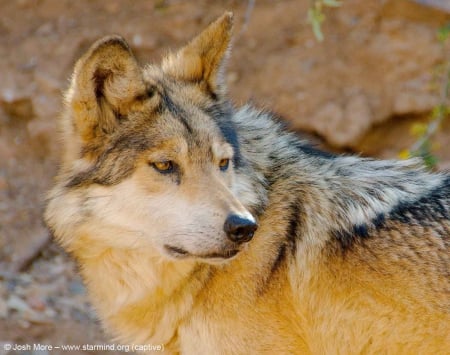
x,y
358,91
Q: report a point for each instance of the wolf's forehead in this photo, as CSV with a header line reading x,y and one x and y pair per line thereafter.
x,y
182,108
200,116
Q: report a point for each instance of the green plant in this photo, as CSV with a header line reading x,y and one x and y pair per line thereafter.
x,y
424,132
316,15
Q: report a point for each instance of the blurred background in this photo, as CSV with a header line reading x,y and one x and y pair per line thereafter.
x,y
376,85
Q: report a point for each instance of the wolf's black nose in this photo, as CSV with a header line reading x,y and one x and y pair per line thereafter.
x,y
239,229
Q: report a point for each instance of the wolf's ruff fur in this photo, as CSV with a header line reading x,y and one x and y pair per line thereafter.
x,y
351,254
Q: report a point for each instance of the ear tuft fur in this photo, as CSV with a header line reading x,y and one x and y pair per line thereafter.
x,y
104,84
202,60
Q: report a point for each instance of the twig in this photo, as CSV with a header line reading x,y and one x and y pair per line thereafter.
x,y
248,14
434,125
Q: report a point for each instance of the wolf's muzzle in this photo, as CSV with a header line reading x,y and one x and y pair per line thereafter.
x,y
238,229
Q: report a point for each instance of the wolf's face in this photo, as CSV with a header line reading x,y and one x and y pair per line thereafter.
x,y
151,153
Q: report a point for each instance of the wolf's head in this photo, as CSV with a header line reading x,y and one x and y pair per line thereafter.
x,y
151,154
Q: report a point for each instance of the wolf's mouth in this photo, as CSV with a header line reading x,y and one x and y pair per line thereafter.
x,y
181,253
176,251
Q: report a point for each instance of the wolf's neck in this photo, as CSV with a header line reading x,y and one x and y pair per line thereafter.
x,y
140,292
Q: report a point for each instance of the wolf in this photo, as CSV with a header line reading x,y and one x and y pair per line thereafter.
x,y
211,229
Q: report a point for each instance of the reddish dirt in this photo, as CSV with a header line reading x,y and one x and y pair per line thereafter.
x,y
359,90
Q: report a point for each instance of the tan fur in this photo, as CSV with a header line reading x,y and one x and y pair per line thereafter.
x,y
200,61
305,293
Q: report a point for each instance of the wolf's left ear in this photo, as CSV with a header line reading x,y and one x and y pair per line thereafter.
x,y
104,87
202,60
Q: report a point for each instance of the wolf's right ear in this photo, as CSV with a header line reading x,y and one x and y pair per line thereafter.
x,y
202,60
105,84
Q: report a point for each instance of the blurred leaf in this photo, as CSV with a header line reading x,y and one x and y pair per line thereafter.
x,y
424,152
332,3
317,31
418,129
439,111
161,5
404,154
316,17
444,33
436,146
430,161
424,146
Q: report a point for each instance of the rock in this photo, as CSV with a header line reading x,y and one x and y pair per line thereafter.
x,y
36,303
112,7
232,77
76,287
344,125
47,82
50,313
413,102
388,53
41,128
7,151
3,309
46,29
17,304
137,40
46,106
357,118
329,120
17,108
35,317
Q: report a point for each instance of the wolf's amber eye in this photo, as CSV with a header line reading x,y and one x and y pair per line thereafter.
x,y
163,167
223,164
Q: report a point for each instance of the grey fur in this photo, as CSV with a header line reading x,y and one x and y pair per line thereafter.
x,y
357,195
